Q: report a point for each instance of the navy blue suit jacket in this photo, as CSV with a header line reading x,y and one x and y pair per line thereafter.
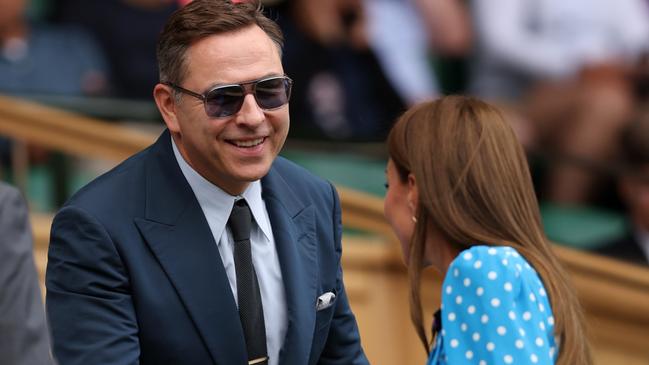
x,y
134,275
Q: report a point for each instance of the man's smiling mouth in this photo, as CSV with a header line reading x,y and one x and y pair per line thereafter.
x,y
247,143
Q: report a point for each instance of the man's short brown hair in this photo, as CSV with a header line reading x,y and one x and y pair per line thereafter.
x,y
201,19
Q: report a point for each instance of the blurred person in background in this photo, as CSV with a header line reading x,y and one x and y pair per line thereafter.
x,y
633,187
564,67
460,200
407,35
128,31
362,62
38,58
341,91
24,338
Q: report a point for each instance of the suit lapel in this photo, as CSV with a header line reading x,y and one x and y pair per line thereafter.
x,y
294,233
177,232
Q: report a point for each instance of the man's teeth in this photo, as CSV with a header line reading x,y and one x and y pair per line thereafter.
x,y
250,143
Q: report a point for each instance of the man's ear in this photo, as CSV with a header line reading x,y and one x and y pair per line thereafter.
x,y
165,100
413,194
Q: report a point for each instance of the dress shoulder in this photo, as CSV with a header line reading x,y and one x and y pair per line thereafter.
x,y
495,309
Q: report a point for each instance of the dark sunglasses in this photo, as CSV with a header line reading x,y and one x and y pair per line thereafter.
x,y
226,100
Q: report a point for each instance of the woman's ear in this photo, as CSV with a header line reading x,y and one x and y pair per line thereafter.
x,y
413,194
165,100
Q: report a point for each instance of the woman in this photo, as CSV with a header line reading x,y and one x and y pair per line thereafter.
x,y
460,199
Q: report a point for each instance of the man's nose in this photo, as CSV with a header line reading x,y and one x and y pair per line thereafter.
x,y
250,113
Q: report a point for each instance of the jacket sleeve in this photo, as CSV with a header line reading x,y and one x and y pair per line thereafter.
x,y
343,344
23,330
89,305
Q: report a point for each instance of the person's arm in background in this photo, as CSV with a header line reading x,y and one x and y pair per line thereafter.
x,y
332,22
448,24
24,336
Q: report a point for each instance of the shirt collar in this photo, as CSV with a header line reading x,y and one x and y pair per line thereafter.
x,y
217,204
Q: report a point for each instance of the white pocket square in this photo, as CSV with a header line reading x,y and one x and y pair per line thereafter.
x,y
324,301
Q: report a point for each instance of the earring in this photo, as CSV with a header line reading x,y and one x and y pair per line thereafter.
x,y
414,219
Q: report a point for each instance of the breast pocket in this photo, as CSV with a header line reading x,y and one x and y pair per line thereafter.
x,y
325,304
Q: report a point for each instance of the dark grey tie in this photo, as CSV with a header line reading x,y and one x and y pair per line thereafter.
x,y
251,313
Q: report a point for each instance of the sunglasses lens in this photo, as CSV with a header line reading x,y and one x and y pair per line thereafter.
x,y
224,101
227,100
273,93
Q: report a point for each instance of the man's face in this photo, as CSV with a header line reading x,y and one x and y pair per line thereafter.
x,y
230,151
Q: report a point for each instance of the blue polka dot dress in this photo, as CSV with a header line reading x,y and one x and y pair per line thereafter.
x,y
495,310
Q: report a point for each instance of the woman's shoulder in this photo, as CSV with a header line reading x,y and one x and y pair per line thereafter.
x,y
489,268
489,261
495,308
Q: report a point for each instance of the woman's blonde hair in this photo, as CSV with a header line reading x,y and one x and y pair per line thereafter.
x,y
475,188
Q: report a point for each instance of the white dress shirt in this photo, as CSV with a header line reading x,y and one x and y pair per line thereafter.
x,y
519,41
217,205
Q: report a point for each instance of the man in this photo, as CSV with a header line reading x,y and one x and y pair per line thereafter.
x,y
142,264
23,330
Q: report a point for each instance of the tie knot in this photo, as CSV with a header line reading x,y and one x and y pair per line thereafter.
x,y
240,221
